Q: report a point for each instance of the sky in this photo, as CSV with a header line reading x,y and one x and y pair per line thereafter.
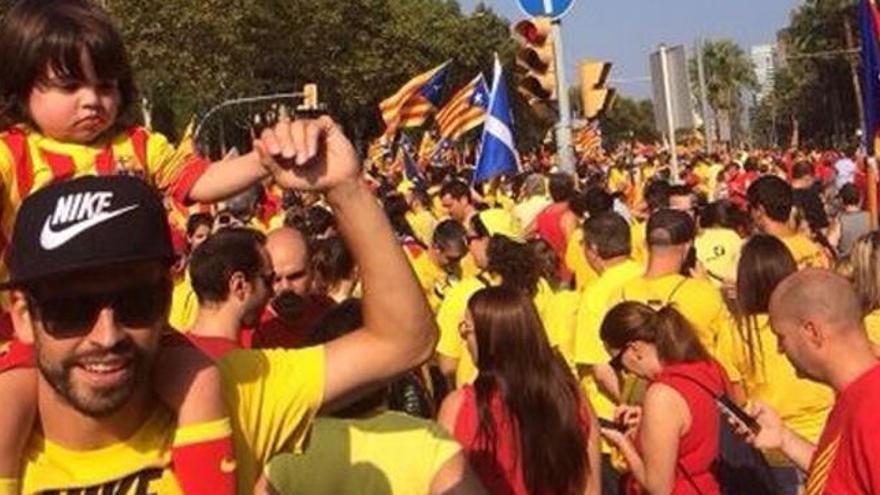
x,y
625,32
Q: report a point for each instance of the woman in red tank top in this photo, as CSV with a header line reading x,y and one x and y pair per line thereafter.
x,y
524,423
672,447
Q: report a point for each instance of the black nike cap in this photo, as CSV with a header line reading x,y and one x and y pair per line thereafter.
x,y
86,223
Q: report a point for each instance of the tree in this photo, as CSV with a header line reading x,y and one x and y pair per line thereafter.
x,y
629,119
729,72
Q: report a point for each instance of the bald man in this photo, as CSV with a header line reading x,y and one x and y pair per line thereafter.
x,y
294,309
290,256
817,319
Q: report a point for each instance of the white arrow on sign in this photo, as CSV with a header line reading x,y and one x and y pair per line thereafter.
x,y
548,6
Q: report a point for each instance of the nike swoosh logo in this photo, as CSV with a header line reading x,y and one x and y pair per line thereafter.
x,y
50,239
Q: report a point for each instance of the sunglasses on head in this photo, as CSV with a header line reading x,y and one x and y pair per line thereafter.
x,y
69,315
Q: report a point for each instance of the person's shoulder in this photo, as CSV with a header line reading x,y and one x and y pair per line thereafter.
x,y
451,407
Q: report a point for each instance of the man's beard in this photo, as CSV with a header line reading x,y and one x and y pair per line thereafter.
x,y
288,305
92,401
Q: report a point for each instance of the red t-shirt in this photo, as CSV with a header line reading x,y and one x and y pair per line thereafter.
x,y
847,459
275,332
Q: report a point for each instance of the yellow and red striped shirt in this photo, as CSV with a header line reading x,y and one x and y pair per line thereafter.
x,y
30,161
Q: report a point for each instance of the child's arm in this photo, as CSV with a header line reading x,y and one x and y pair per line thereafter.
x,y
203,457
226,178
16,423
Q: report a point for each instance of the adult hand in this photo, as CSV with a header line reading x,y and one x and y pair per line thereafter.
x,y
628,416
309,155
772,432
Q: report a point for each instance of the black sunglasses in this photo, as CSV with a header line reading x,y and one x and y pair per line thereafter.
x,y
616,361
69,315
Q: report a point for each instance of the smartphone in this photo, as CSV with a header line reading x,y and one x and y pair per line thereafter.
x,y
612,425
729,408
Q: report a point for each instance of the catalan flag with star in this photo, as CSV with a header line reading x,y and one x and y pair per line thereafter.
x,y
411,105
465,110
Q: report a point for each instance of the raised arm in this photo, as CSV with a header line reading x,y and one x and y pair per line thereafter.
x,y
399,332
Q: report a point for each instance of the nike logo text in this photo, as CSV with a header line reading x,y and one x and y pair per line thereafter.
x,y
88,209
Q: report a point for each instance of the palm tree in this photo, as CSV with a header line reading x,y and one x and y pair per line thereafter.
x,y
729,71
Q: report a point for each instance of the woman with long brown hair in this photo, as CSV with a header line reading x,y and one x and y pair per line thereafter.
x,y
524,422
676,439
750,357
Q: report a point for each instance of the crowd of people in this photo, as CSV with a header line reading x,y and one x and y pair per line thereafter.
x,y
331,325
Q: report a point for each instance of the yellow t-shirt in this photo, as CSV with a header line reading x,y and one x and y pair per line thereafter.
x,y
806,253
576,260
698,300
802,404
184,304
422,223
451,313
560,322
718,251
595,302
389,453
872,326
272,397
638,232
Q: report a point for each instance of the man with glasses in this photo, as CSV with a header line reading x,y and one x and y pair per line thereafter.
x,y
91,289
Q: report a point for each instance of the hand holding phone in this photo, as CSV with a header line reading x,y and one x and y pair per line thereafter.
x,y
730,409
612,425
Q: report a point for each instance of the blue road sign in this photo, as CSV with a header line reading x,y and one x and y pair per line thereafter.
x,y
548,8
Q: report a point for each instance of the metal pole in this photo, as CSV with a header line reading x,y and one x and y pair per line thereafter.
x,y
563,126
670,121
708,128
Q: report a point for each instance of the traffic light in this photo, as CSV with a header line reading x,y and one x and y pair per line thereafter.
x,y
596,98
536,56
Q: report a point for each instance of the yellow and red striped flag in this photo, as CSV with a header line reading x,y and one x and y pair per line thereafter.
x,y
412,103
465,111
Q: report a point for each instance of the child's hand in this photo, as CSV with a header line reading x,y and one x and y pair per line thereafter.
x,y
305,154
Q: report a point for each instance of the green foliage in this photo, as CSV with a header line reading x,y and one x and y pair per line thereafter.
x,y
815,93
629,119
729,72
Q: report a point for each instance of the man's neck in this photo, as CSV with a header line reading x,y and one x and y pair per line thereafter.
x,y
65,426
859,359
660,265
217,321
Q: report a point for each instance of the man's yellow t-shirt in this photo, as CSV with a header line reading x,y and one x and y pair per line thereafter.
x,y
806,253
272,397
576,260
422,223
389,452
698,300
802,404
560,321
595,302
638,232
184,304
452,311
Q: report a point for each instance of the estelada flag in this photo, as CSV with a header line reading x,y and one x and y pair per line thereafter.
x,y
411,105
465,110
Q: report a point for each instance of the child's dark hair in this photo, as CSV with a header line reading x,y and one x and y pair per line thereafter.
x,y
39,34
